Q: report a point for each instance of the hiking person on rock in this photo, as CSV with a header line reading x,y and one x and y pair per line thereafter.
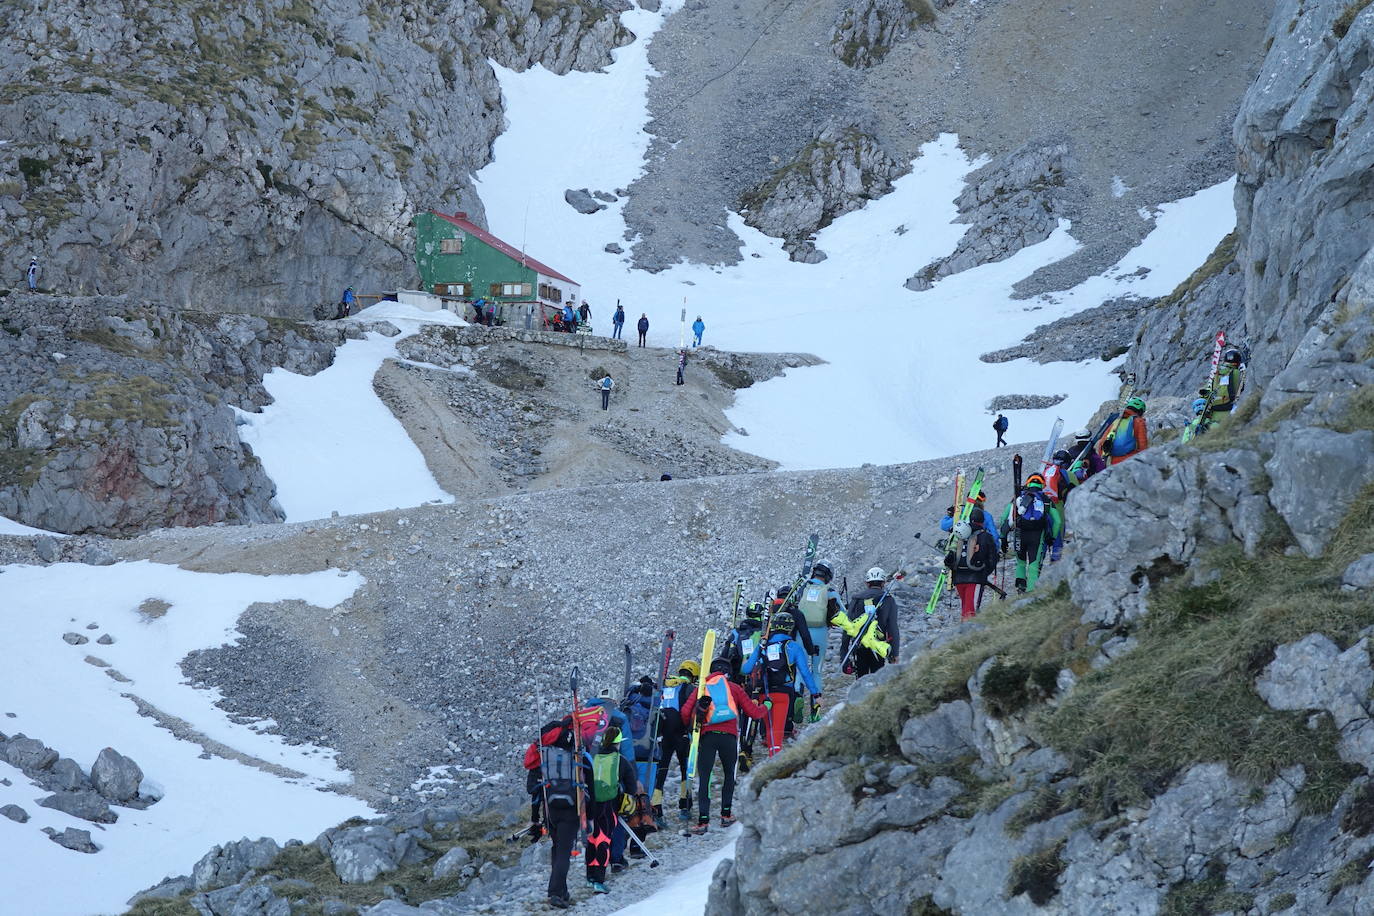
x,y
1228,384
643,326
613,781
717,713
1127,435
980,501
973,563
554,786
618,322
866,660
785,667
698,328
1000,427
674,738
1032,520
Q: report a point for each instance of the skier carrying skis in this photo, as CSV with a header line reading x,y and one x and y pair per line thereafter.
x,y
555,787
818,603
973,562
1056,479
874,597
674,739
1228,384
740,644
784,666
781,606
717,712
1127,435
980,502
1000,427
621,722
1031,514
618,321
1201,422
614,785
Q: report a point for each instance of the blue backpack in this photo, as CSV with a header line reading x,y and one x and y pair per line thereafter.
x,y
722,703
638,710
1031,511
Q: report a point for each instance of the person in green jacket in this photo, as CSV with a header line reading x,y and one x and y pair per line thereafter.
x,y
1228,384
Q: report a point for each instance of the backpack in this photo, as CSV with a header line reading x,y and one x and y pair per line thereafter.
x,y
776,663
722,701
557,765
606,776
638,712
671,696
1123,440
1000,424
1031,509
814,601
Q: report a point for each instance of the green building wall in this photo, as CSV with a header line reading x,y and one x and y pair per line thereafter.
x,y
479,265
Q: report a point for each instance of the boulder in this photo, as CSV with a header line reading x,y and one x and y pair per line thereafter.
x,y
85,804
451,863
28,754
73,839
65,775
1360,573
360,854
941,736
582,201
1304,454
75,639
227,864
15,813
115,776
1314,674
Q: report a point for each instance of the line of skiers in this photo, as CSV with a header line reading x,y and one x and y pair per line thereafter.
x,y
602,770
1032,524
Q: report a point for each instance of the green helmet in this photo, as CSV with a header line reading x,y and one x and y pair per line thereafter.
x,y
753,609
1136,404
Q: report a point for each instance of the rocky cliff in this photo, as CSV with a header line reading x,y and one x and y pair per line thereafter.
x,y
256,157
117,413
1181,719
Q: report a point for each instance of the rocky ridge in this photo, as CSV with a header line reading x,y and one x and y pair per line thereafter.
x,y
1163,727
261,157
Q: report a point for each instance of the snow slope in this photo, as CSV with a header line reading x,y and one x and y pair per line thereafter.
x,y
901,365
51,692
330,444
685,893
11,527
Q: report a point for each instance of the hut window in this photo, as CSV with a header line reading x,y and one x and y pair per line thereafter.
x,y
451,246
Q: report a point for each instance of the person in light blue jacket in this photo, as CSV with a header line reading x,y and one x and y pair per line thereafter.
x,y
698,327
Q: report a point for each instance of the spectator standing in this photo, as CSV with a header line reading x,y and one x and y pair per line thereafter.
x,y
346,303
643,326
32,275
681,366
606,384
584,312
569,317
698,328
618,322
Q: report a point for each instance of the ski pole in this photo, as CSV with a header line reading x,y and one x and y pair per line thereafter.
x,y
653,860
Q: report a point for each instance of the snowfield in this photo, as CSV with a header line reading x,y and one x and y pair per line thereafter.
x,y
52,692
330,444
903,380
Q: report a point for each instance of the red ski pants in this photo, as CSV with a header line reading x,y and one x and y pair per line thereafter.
x,y
968,592
777,720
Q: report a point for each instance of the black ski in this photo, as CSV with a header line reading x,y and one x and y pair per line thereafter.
x,y
629,665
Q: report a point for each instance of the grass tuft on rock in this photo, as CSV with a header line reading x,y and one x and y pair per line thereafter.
x,y
1341,27
1207,895
1037,875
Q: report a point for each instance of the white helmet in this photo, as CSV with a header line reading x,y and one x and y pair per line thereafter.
x,y
875,574
1083,434
963,530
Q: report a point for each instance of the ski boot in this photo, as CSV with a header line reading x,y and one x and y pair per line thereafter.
x,y
1020,586
598,888
703,824
727,819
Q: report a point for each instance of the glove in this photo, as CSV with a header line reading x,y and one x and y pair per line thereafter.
x,y
848,667
949,559
949,513
702,713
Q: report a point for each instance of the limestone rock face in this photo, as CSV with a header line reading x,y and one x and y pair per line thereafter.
x,y
257,158
1012,202
839,171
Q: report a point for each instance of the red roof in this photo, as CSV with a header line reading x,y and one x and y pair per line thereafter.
x,y
461,221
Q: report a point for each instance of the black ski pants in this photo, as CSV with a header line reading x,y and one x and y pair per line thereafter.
x,y
641,337
676,744
867,662
563,832
712,745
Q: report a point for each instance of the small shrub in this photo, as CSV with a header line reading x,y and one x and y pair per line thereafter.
x,y
177,907
1205,896
1351,873
1359,413
1043,805
1282,902
1037,875
1341,27
33,170
925,906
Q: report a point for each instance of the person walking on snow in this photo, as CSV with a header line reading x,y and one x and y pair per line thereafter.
x,y
866,659
698,328
643,326
717,713
1000,427
1127,435
606,384
785,668
32,275
973,562
618,322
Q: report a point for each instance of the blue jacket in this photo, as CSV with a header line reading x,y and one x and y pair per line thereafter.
x,y
947,525
619,317
698,326
627,747
796,659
